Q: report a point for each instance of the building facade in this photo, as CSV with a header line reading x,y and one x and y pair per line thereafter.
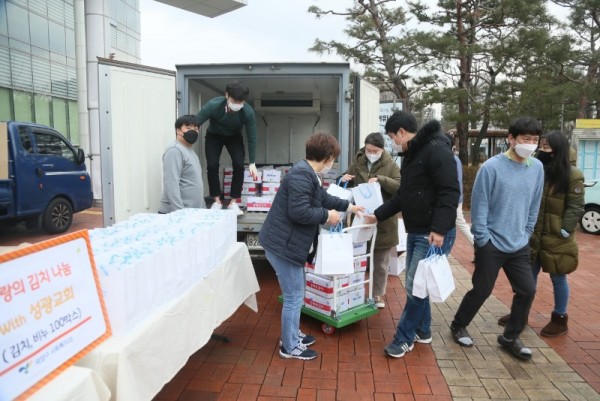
x,y
39,58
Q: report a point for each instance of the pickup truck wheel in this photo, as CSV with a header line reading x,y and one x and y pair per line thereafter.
x,y
58,216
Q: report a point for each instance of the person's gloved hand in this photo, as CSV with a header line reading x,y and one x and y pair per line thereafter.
x,y
564,233
253,171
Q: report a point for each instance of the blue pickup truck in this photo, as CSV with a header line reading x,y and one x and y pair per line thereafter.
x,y
43,179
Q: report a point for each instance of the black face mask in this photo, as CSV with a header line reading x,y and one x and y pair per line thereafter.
x,y
190,136
544,157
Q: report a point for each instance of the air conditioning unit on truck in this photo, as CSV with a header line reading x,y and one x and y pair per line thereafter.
x,y
291,102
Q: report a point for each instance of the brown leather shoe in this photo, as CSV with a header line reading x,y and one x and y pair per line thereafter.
x,y
504,320
557,326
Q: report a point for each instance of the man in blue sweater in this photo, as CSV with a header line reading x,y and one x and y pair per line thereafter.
x,y
504,208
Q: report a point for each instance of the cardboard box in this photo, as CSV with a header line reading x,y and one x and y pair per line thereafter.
x,y
250,189
356,297
360,264
360,248
324,285
248,177
270,188
271,175
397,263
259,203
325,305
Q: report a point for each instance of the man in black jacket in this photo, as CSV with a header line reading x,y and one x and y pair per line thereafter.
x,y
428,198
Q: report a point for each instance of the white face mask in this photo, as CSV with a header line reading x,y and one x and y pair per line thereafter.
x,y
397,148
525,150
373,157
235,106
326,169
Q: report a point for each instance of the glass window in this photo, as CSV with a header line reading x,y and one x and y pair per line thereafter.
x,y
59,79
25,139
5,79
3,25
18,22
6,111
57,38
39,31
41,106
73,122
22,76
22,102
59,116
40,6
49,144
70,40
41,75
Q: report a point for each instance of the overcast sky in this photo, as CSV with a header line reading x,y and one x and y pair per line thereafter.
x,y
263,30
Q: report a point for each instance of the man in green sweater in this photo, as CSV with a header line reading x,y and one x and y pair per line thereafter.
x,y
227,116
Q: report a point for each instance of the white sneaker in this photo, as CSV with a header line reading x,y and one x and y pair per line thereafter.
x,y
216,206
379,302
234,207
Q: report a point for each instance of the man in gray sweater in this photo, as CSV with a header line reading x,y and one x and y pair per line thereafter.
x,y
182,173
504,208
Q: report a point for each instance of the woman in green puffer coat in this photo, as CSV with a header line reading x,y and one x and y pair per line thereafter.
x,y
374,164
553,245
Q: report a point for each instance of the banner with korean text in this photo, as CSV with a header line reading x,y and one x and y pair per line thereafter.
x,y
51,312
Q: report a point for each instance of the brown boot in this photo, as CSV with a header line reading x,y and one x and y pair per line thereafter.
x,y
557,326
504,320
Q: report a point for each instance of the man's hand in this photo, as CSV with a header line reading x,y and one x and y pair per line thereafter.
x,y
253,171
436,239
333,217
357,210
369,219
374,179
347,177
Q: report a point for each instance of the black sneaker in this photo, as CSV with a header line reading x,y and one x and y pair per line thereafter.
x,y
515,347
396,350
461,336
305,339
423,338
299,352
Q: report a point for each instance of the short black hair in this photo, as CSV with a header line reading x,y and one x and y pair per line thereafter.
x,y
188,119
237,90
524,126
401,119
375,139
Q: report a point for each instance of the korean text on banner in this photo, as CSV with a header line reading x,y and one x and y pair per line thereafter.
x,y
52,312
334,254
368,195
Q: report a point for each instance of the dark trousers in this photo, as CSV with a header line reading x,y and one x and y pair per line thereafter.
x,y
213,149
517,266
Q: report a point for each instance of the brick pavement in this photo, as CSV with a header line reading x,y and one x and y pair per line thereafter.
x,y
352,366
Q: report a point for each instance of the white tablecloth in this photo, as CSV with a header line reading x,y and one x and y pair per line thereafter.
x,y
136,366
74,384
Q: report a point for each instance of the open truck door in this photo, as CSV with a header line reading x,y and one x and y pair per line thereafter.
x,y
365,113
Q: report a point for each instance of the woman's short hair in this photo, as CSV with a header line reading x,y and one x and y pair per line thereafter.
x,y
375,139
320,147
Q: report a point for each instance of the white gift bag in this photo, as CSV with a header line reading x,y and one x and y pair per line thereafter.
x,y
440,282
342,193
419,288
368,195
334,253
362,234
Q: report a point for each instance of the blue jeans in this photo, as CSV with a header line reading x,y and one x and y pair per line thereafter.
x,y
292,283
416,316
560,286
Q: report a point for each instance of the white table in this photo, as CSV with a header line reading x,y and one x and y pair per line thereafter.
x,y
74,384
136,366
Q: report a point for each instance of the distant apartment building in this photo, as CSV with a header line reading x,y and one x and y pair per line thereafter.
x,y
39,60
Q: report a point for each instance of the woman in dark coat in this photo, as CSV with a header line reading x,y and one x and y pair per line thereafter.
x,y
374,164
299,208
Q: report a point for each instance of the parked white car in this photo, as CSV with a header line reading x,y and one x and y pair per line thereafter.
x,y
590,221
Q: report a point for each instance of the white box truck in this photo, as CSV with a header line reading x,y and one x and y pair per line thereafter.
x,y
291,101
